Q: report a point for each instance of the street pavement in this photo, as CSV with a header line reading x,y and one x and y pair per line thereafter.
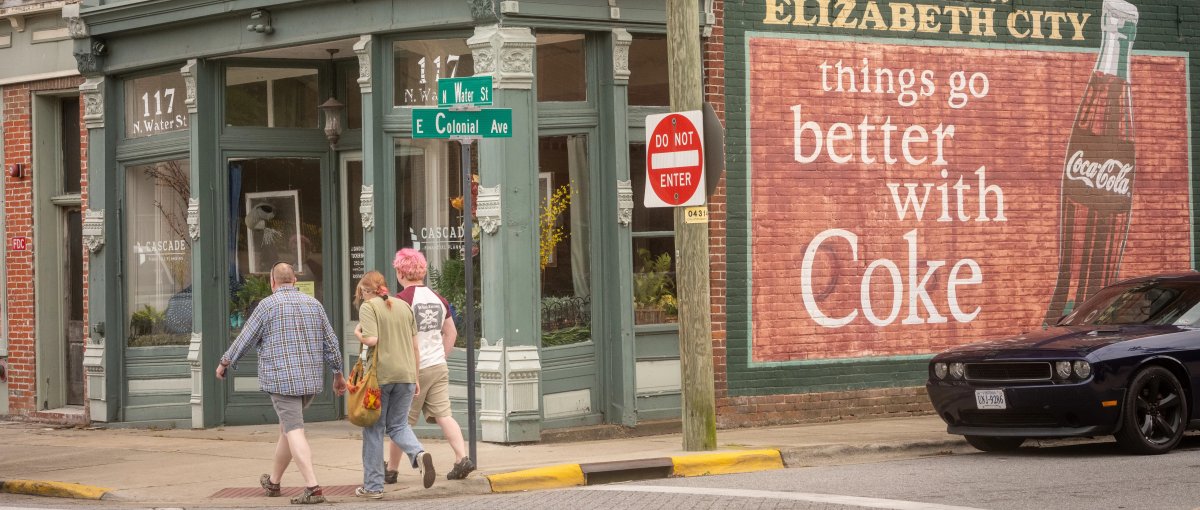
x,y
187,467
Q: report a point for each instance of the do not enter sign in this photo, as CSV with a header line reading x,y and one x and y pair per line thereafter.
x,y
674,159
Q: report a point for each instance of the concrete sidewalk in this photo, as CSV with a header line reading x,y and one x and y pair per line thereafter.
x,y
187,467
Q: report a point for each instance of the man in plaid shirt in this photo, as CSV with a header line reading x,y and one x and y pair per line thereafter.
x,y
292,335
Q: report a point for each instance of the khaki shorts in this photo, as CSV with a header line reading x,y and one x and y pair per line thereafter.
x,y
435,395
290,410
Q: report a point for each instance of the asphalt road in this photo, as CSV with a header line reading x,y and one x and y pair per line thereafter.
x,y
1056,475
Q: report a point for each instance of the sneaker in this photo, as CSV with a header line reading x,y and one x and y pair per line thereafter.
x,y
390,476
461,469
273,489
362,492
425,464
310,496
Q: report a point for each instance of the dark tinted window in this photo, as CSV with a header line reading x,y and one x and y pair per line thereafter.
x,y
1142,303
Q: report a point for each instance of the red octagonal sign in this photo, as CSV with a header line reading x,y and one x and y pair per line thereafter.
x,y
674,159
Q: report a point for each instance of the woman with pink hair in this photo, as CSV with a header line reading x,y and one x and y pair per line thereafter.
x,y
436,334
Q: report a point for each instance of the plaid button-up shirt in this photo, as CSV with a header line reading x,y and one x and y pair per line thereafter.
x,y
292,335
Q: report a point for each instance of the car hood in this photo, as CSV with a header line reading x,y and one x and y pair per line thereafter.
x,y
1079,340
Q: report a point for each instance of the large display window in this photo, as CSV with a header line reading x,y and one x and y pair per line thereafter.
x,y
275,216
564,239
158,262
561,67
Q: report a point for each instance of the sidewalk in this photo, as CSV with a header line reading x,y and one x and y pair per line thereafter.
x,y
186,467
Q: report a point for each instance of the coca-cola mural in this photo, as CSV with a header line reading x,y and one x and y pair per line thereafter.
x,y
905,196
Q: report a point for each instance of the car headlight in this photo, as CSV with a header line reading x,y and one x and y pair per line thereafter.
x,y
1083,369
957,370
1062,369
939,369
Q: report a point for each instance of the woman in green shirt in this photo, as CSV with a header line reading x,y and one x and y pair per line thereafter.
x,y
387,326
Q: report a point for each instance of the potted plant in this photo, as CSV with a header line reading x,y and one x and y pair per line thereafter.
x,y
654,289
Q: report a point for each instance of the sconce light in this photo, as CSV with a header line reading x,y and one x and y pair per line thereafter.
x,y
332,108
263,26
16,170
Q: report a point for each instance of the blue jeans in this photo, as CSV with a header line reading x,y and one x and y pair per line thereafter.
x,y
393,419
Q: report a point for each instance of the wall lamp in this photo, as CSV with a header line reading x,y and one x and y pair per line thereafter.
x,y
332,108
263,26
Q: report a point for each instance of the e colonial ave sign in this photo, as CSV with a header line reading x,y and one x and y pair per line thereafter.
x,y
447,123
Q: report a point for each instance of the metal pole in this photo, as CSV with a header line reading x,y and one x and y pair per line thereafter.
x,y
469,313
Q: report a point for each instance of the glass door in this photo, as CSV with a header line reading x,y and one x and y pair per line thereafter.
x,y
275,213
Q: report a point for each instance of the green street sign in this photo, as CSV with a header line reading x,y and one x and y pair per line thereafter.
x,y
446,123
469,91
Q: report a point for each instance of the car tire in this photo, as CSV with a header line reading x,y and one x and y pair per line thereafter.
x,y
1155,413
995,443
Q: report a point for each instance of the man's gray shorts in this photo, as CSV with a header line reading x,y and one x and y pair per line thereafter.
x,y
290,410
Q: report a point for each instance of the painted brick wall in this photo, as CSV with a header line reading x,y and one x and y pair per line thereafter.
x,y
18,139
777,359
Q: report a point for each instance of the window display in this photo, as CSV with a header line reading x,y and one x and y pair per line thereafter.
x,y
158,264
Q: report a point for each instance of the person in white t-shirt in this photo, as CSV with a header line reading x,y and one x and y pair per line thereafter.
x,y
436,334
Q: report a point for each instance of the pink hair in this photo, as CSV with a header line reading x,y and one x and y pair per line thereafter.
x,y
410,264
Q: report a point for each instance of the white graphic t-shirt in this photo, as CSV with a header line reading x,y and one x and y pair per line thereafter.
x,y
430,311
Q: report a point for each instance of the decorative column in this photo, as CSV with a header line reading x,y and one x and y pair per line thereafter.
x,y
616,212
103,392
509,366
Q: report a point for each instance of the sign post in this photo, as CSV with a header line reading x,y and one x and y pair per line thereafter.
x,y
459,117
691,238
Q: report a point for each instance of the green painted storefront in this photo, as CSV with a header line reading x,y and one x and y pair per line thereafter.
x,y
209,161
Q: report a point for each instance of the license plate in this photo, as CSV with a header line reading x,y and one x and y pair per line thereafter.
x,y
990,399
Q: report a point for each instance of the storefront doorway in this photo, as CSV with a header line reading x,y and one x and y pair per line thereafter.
x,y
276,212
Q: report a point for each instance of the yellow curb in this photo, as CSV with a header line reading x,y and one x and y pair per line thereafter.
x,y
726,463
52,489
550,477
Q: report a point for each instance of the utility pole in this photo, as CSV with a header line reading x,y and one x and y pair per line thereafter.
x,y
691,244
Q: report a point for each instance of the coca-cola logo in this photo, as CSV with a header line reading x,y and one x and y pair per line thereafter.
x,y
1112,175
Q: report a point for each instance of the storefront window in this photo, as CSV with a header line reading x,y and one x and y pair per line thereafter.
x,y
653,252
419,65
353,96
564,239
561,68
429,203
271,97
275,213
158,262
154,105
648,81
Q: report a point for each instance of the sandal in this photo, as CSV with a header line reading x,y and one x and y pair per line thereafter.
x,y
273,489
311,495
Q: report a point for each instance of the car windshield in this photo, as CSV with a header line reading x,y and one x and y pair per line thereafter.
x,y
1152,303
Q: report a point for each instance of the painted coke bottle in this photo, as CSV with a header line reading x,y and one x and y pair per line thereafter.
x,y
1098,174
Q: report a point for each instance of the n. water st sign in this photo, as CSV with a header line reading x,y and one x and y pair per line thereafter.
x,y
468,91
447,123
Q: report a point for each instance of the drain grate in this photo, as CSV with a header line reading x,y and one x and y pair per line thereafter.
x,y
258,492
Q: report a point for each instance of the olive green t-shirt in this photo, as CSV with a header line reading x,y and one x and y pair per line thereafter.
x,y
395,327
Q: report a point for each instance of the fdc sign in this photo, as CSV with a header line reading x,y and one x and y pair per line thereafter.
x,y
674,159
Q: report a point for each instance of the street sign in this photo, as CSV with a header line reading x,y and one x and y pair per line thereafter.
x,y
446,123
674,159
468,91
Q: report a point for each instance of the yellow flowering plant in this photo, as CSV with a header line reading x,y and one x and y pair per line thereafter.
x,y
551,233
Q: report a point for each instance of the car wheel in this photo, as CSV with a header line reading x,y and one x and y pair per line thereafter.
x,y
1155,413
995,444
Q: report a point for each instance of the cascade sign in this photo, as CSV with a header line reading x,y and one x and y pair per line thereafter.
x,y
674,159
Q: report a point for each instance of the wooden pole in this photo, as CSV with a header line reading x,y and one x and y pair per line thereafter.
x,y
691,244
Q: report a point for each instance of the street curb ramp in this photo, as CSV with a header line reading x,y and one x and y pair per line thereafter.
x,y
572,475
55,489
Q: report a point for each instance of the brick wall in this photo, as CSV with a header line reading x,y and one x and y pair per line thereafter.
x,y
781,356
21,289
